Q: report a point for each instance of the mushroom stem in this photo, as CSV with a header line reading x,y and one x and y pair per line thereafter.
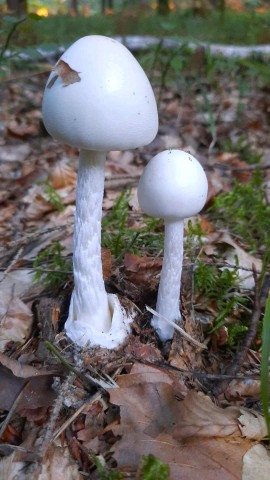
x,y
170,279
89,303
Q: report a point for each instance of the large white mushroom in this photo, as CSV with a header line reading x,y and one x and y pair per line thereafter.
x,y
173,186
97,98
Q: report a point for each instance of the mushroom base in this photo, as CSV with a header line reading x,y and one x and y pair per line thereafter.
x,y
85,334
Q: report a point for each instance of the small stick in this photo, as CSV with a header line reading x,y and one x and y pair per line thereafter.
x,y
242,353
13,408
86,381
201,375
181,330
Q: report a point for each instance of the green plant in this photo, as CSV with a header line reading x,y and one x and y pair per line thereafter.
x,y
164,65
219,285
13,24
153,469
213,282
51,267
120,238
265,365
103,472
243,147
193,239
53,197
8,32
235,333
246,213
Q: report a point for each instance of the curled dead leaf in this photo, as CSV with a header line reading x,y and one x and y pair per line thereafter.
x,y
142,270
16,322
252,424
62,176
256,464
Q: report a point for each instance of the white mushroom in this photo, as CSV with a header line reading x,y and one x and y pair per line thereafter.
x,y
173,186
97,98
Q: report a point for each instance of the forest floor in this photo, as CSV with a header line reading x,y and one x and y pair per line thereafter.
x,y
72,413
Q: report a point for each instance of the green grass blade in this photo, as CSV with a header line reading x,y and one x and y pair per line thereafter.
x,y
265,365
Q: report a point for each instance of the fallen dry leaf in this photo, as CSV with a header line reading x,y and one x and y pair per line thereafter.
x,y
22,130
59,465
142,270
194,436
240,389
148,414
62,175
12,468
199,416
37,203
256,464
66,73
252,424
16,321
15,153
37,391
244,259
19,369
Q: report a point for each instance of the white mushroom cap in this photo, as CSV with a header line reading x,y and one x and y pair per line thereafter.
x,y
99,98
173,186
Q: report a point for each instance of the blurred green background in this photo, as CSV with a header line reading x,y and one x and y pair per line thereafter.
x,y
61,22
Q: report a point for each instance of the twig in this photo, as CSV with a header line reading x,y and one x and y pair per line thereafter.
x,y
63,427
10,33
235,169
202,375
87,382
242,352
185,334
25,76
47,439
11,265
12,409
34,236
100,383
185,266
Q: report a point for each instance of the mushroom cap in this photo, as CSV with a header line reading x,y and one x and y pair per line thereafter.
x,y
99,98
173,186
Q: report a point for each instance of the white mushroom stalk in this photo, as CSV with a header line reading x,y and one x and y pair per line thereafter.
x,y
169,286
173,186
97,99
87,267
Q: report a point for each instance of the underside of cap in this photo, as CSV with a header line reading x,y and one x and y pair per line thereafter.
x,y
99,98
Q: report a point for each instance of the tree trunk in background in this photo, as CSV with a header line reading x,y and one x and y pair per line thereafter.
x,y
74,11
163,7
106,5
18,8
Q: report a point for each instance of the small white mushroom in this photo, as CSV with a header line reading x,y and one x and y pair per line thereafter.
x,y
97,98
173,186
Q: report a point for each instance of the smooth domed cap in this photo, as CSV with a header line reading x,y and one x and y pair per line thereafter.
x,y
172,186
99,98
